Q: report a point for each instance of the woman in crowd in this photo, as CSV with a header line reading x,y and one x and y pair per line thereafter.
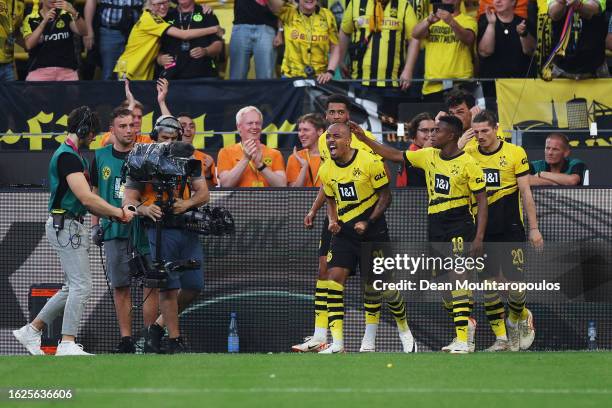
x,y
49,39
137,61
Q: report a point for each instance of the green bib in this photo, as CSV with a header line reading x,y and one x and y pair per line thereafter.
x,y
111,190
68,202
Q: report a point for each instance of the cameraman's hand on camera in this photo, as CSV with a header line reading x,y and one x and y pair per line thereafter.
x,y
181,206
97,235
152,211
127,213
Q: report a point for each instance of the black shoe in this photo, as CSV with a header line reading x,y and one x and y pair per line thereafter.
x,y
126,346
176,346
153,335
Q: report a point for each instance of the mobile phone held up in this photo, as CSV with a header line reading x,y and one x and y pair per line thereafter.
x,y
442,6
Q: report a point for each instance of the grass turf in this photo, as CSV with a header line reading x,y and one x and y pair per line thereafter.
x,y
291,380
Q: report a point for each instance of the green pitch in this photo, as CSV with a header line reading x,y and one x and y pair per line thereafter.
x,y
522,380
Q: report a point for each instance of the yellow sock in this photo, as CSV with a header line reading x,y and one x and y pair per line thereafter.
x,y
494,309
372,302
516,306
461,312
397,307
321,304
335,310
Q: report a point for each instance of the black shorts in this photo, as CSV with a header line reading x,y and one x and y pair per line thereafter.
x,y
325,238
505,255
346,246
449,238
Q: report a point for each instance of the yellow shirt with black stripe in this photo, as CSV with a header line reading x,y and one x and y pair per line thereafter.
x,y
386,50
355,144
353,185
451,182
137,61
501,169
308,40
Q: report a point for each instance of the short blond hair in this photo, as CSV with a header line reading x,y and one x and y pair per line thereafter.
x,y
246,110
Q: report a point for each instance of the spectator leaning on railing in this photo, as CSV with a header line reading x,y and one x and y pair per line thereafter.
x,y
310,35
190,59
137,61
450,37
49,39
11,14
585,50
557,168
116,19
505,44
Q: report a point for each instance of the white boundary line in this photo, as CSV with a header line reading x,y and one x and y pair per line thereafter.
x,y
292,390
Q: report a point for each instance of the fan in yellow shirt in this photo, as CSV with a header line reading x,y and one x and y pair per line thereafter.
x,y
137,61
450,37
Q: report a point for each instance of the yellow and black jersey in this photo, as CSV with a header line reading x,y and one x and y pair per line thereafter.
x,y
355,144
308,40
138,58
385,36
501,169
451,182
353,185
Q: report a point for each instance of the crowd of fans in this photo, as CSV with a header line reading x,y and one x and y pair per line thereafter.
x,y
381,43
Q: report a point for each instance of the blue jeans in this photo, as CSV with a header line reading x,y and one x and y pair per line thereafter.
x,y
6,72
180,245
112,44
252,40
71,300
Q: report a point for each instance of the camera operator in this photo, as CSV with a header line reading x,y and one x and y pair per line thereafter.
x,y
176,244
70,198
120,241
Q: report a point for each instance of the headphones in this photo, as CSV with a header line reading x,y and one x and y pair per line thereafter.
x,y
166,121
86,125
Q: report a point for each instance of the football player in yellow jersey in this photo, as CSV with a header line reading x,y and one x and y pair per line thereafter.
x,y
337,111
357,192
506,171
454,180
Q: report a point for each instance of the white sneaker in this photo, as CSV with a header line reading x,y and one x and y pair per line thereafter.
x,y
367,346
499,345
471,334
310,344
332,349
30,339
70,348
513,335
409,345
460,347
526,331
448,348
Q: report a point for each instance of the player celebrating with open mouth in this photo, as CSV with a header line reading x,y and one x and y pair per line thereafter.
x,y
357,191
